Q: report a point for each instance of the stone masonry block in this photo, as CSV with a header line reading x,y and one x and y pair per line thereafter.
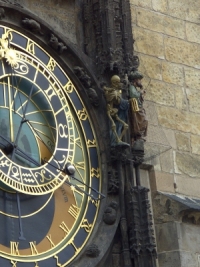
x,y
183,141
187,186
195,144
167,237
183,52
169,259
181,98
188,164
192,32
192,77
141,3
160,5
178,119
184,9
172,73
161,181
193,97
151,67
160,23
148,42
161,93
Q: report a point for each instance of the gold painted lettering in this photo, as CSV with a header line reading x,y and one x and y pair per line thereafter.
x,y
50,240
82,114
63,131
50,92
14,248
69,88
73,211
51,64
33,248
30,47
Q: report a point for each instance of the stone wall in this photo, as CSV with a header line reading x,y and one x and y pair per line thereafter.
x,y
60,14
167,41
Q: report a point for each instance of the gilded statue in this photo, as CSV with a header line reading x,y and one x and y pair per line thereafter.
x,y
137,114
117,108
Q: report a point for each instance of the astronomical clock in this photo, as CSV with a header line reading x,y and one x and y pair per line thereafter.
x,y
50,165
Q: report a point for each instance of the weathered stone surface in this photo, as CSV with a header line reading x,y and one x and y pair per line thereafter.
x,y
168,233
188,236
192,32
195,144
172,73
181,98
161,93
183,52
185,9
170,135
179,119
192,78
166,160
133,14
187,186
169,259
188,259
183,141
151,113
160,23
61,17
188,164
193,97
160,5
161,181
141,3
148,42
151,67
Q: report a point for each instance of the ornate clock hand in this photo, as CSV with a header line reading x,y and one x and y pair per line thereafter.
x,y
21,234
22,121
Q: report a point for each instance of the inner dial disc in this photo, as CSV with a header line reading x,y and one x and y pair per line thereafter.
x,y
36,128
35,142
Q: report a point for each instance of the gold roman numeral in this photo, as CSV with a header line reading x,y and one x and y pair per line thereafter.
x,y
74,211
14,263
50,240
64,227
14,248
33,248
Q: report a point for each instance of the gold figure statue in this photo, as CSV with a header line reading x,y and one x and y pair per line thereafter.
x,y
114,100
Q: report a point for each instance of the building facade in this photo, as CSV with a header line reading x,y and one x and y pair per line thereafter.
x,y
126,204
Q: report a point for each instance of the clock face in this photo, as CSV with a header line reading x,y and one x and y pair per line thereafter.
x,y
46,215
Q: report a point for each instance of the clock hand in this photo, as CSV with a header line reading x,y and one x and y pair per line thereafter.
x,y
21,234
10,111
21,123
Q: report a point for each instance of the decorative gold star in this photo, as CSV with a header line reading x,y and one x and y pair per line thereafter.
x,y
11,57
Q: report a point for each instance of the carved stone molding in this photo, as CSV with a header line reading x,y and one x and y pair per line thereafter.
x,y
110,213
93,251
108,37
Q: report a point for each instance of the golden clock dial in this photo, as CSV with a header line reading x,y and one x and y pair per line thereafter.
x,y
47,216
